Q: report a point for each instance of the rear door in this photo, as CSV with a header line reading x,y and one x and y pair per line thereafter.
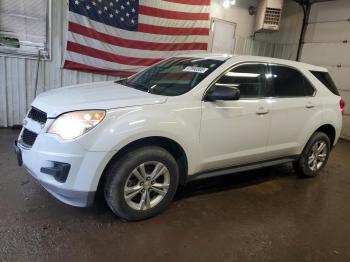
x,y
293,107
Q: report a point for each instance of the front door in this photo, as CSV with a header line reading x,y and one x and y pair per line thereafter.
x,y
236,132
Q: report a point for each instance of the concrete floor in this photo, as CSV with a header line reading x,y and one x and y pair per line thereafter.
x,y
264,215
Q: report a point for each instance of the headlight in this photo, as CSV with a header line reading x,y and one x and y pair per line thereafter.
x,y
74,124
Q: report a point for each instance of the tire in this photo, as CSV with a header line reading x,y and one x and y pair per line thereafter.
x,y
312,160
132,174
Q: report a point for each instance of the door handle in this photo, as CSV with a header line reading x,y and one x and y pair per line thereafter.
x,y
309,105
262,111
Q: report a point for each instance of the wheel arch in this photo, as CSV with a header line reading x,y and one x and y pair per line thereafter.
x,y
330,131
173,147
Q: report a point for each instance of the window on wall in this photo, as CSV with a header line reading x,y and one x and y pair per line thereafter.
x,y
24,27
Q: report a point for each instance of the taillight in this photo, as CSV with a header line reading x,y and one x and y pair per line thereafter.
x,y
342,106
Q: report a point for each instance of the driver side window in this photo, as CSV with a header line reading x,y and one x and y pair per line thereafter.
x,y
248,78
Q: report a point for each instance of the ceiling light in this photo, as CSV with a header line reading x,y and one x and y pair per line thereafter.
x,y
233,2
226,4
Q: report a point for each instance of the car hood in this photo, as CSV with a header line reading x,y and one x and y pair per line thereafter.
x,y
101,95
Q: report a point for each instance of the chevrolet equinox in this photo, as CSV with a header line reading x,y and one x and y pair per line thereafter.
x,y
186,118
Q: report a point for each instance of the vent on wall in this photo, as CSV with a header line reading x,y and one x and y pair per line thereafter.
x,y
268,15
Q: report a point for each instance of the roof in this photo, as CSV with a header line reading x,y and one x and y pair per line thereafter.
x,y
272,60
215,56
245,58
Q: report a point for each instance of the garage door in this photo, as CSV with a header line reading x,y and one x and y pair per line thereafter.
x,y
327,44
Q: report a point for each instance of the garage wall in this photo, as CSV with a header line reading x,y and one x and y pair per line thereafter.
x,y
324,44
275,44
244,44
327,44
287,38
17,75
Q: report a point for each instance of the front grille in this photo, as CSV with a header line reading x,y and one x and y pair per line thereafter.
x,y
28,138
37,115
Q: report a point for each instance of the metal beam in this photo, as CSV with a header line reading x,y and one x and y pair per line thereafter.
x,y
306,6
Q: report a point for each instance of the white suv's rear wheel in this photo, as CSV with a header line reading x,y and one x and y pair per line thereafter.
x,y
314,156
141,183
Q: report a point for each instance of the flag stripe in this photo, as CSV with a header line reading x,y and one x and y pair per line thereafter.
x,y
122,42
97,53
151,20
100,62
114,49
151,11
190,2
91,69
162,30
139,36
173,6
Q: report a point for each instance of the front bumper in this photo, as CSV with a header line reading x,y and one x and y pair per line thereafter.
x,y
85,168
67,196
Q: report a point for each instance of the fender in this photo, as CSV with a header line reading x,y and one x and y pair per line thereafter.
x,y
126,125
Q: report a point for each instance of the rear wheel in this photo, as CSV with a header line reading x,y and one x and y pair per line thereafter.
x,y
314,156
141,183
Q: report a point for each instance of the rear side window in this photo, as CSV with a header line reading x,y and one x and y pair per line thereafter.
x,y
326,79
249,79
289,82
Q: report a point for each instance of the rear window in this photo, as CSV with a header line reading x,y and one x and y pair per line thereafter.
x,y
288,82
326,79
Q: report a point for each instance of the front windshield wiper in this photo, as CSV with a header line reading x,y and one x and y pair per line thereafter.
x,y
121,81
138,86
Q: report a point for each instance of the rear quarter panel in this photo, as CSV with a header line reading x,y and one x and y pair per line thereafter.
x,y
332,114
330,105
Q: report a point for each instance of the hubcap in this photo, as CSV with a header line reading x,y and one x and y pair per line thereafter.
x,y
317,155
147,185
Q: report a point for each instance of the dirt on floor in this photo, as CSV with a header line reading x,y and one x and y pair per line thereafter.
x,y
262,215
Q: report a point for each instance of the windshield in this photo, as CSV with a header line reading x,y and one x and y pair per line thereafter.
x,y
172,77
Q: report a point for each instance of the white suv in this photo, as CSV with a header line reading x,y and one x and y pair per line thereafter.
x,y
185,118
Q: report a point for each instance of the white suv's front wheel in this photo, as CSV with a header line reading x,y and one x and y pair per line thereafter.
x,y
141,183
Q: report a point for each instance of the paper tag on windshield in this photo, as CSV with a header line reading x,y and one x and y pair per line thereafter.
x,y
195,69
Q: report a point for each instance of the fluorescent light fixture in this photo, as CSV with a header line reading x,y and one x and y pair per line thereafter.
x,y
270,75
227,85
233,2
234,74
226,4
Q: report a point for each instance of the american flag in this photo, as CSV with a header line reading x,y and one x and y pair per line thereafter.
x,y
121,37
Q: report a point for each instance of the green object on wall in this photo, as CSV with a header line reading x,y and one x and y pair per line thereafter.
x,y
9,42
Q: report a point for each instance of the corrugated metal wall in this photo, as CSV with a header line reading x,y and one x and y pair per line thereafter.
x,y
247,46
18,75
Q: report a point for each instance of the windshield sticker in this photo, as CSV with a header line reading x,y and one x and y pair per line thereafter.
x,y
195,69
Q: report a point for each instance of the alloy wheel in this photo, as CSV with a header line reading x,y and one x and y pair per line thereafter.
x,y
318,155
147,185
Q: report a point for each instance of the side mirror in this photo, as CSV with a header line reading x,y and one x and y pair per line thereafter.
x,y
225,93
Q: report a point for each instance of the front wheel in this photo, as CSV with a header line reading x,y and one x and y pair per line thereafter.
x,y
141,183
314,156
